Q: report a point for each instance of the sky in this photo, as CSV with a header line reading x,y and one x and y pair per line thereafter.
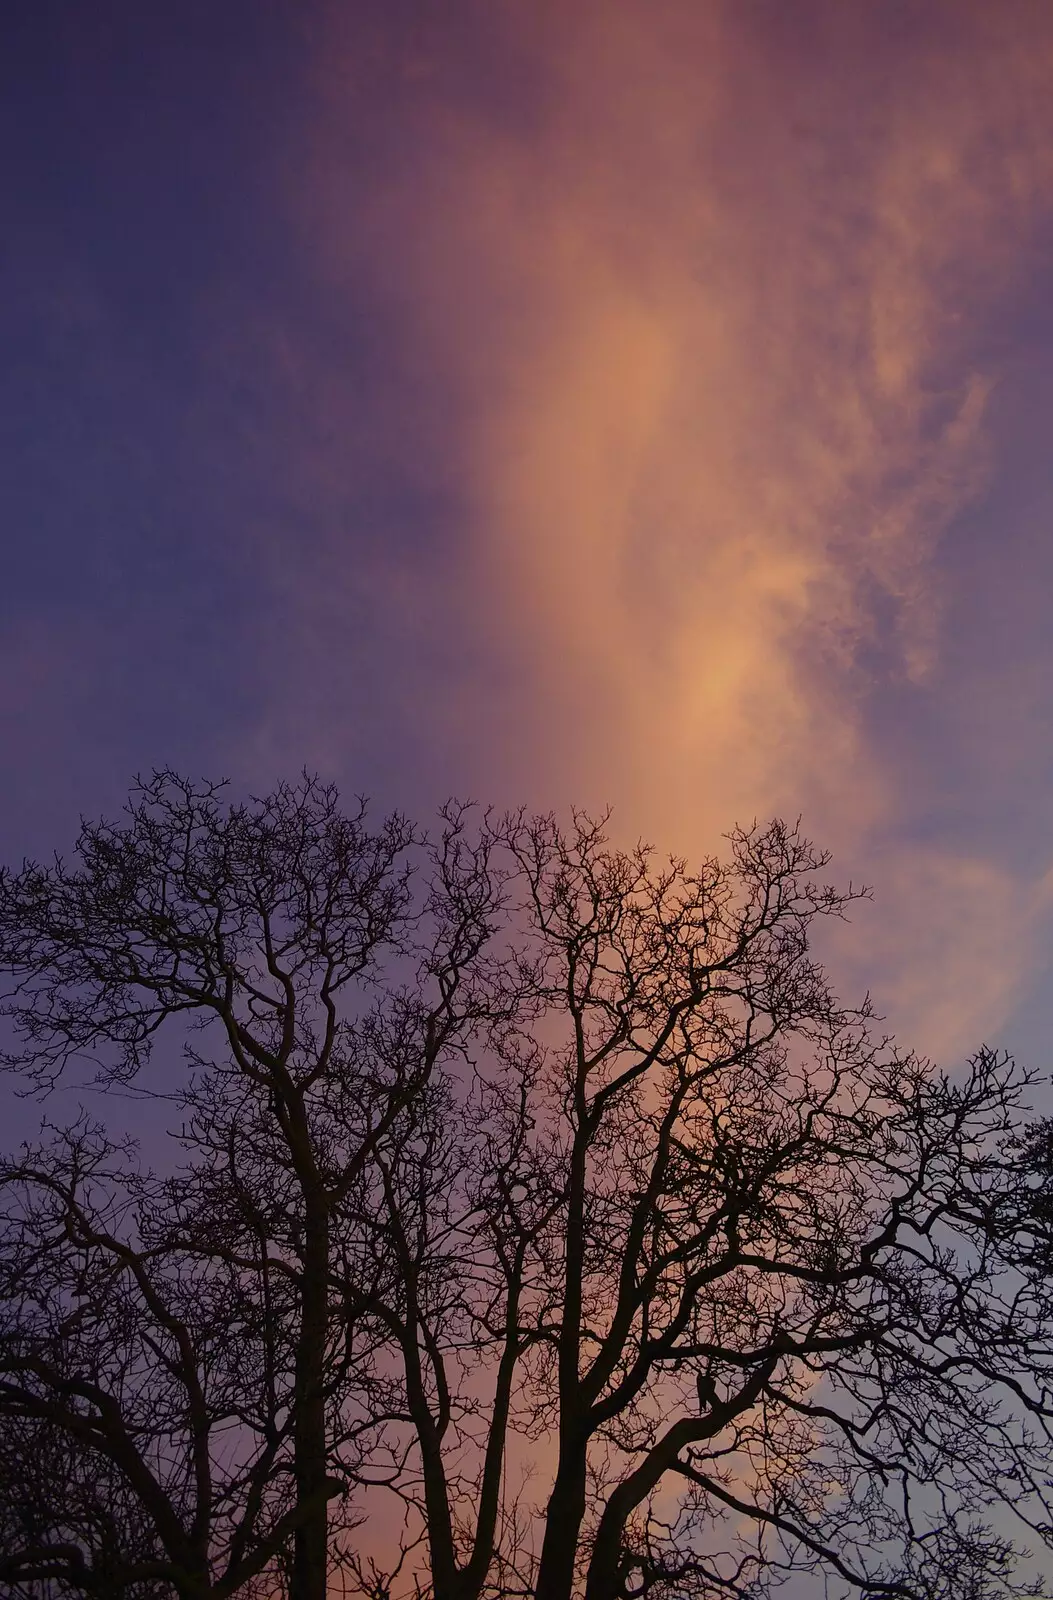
x,y
566,402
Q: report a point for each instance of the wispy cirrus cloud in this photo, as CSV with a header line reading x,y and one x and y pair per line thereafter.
x,y
703,315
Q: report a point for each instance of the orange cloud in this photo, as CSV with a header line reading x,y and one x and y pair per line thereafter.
x,y
708,319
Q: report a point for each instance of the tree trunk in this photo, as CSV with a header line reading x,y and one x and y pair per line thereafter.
x,y
607,1546
311,1539
566,1508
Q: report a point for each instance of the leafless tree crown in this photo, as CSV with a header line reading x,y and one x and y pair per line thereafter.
x,y
538,1223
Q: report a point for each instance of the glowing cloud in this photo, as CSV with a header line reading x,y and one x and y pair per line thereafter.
x,y
707,318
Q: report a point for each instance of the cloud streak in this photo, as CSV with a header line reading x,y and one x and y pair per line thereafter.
x,y
706,320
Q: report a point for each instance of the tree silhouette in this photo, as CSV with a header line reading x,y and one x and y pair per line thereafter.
x,y
537,1189
249,924
128,1364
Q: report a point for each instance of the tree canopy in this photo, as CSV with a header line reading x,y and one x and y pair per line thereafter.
x,y
538,1222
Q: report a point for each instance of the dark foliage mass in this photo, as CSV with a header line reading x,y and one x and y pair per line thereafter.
x,y
537,1222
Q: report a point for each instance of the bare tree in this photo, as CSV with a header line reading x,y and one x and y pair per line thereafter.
x,y
686,1231
573,1171
259,927
146,1391
68,1526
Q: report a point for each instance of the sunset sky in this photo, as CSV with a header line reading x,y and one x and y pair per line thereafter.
x,y
551,401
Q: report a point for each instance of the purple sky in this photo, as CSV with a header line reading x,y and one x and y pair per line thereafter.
x,y
553,403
